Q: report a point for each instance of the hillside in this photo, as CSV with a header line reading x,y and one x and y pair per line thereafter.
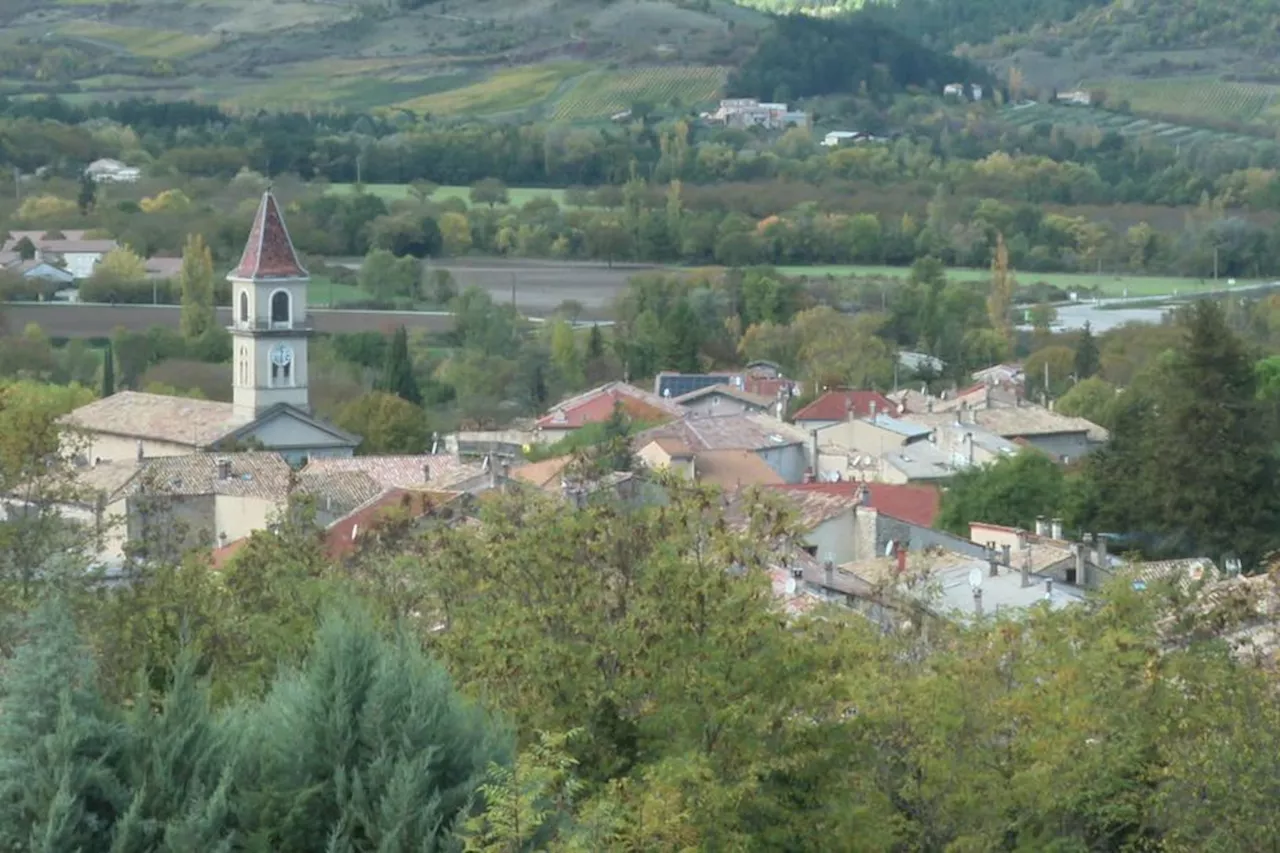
x,y
482,57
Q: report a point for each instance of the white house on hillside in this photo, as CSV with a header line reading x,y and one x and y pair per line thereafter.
x,y
108,171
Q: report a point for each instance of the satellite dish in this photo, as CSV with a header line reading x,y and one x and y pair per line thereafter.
x,y
888,548
791,586
975,578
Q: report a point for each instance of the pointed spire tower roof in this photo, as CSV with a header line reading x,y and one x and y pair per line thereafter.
x,y
269,252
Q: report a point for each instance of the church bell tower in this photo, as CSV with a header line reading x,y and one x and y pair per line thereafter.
x,y
269,324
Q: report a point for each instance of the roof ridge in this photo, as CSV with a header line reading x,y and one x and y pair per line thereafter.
x,y
274,249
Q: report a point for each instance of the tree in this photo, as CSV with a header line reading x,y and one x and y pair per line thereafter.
x,y
490,191
88,194
1012,491
441,287
108,372
397,371
455,233
1088,358
369,747
1191,457
607,238
422,190
1092,399
120,266
387,423
386,277
565,354
57,746
1000,298
25,248
198,313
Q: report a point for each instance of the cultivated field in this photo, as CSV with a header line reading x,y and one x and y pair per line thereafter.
x,y
1107,285
152,44
506,91
1195,97
397,192
600,94
1027,115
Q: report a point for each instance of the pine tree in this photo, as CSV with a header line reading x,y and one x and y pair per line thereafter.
x,y
198,314
1088,360
370,747
397,370
108,372
88,194
595,343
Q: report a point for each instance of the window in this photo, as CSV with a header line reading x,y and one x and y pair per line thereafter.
x,y
281,374
244,306
280,307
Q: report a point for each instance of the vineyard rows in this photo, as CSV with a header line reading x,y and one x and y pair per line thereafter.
x,y
1122,123
1194,97
604,93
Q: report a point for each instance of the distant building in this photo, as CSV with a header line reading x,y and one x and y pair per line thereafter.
x,y
751,112
839,137
108,171
1075,98
72,251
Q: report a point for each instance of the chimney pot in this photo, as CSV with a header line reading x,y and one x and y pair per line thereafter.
x,y
993,563
977,601
1048,587
901,552
829,572
1042,526
1100,551
140,453
1006,555
224,469
426,472
1057,528
873,408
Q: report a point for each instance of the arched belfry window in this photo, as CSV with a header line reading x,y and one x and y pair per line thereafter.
x,y
244,306
280,307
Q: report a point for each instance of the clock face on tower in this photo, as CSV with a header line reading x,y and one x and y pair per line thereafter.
x,y
281,355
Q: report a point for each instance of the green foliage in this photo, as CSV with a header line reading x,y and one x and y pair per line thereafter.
x,y
489,191
397,371
108,372
387,423
1088,358
1093,399
1191,458
367,748
1011,491
198,315
387,277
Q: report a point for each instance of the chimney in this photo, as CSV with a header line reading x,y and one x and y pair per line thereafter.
x,y
813,451
140,454
849,414
928,405
1082,567
977,601
1042,526
829,573
986,395
1026,568
1100,551
426,472
224,469
966,441
901,551
1048,588
993,563
873,408
864,494
435,443
1056,530
1006,556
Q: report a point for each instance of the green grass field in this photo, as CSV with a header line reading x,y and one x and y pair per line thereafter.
x,y
1108,285
600,94
324,291
397,192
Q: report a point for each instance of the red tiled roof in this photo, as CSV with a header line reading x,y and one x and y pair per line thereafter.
x,y
910,503
341,536
269,253
834,406
591,408
766,387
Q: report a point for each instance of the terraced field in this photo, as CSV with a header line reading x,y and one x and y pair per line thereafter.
x,y
1194,97
506,91
600,94
397,192
1028,115
152,44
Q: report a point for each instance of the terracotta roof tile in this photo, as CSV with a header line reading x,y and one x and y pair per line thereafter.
x,y
915,504
269,253
835,406
252,475
427,470
730,469
544,474
744,431
159,417
596,405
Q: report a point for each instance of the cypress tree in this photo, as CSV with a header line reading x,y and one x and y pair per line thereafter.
x,y
1088,359
397,370
108,371
369,747
57,744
